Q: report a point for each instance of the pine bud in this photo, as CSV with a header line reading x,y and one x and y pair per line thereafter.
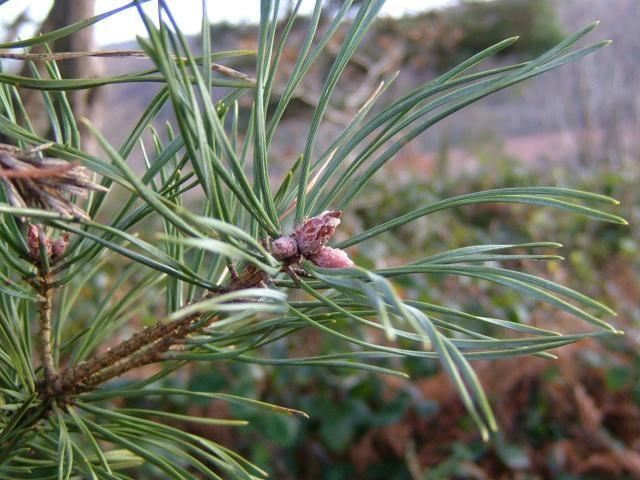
x,y
59,245
314,233
328,257
284,247
33,242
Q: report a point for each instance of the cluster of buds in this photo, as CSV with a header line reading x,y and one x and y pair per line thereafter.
x,y
41,182
36,237
309,239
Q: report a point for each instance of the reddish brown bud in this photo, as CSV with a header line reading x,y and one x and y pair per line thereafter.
x,y
33,241
329,257
59,245
314,233
284,247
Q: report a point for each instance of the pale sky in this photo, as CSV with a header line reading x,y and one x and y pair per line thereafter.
x,y
126,25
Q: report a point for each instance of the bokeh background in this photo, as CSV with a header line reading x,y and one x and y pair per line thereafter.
x,y
574,418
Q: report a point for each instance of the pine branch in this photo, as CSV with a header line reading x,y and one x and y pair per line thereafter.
x,y
208,139
144,347
40,247
153,352
87,375
44,322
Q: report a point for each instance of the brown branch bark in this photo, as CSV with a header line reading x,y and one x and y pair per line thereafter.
x,y
71,379
44,323
144,347
151,354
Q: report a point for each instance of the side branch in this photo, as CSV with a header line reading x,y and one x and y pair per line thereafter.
x,y
144,347
79,377
151,354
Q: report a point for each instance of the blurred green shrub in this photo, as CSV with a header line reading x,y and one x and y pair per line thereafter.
x,y
442,38
482,22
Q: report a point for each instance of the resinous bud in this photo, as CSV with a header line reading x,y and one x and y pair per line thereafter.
x,y
314,233
284,247
328,257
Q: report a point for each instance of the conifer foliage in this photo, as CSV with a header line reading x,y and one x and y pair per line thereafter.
x,y
243,259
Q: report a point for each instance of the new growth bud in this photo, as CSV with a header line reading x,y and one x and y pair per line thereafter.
x,y
329,257
33,242
59,245
55,248
314,233
284,247
309,239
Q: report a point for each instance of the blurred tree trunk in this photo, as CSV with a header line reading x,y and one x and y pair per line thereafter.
x,y
85,103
